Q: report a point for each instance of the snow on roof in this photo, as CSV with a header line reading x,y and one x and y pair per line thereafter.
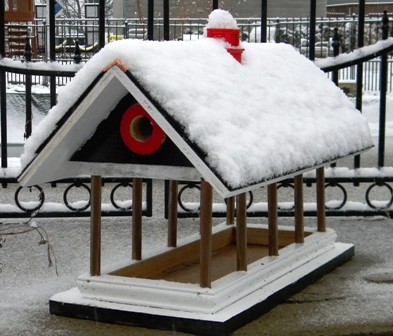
x,y
272,115
221,19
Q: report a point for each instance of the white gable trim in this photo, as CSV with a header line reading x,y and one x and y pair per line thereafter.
x,y
57,152
77,129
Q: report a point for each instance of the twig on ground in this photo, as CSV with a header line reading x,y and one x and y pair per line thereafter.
x,y
16,229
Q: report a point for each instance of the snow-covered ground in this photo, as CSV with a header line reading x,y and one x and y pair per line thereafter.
x,y
341,303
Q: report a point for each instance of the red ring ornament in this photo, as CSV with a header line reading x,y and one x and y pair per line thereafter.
x,y
139,132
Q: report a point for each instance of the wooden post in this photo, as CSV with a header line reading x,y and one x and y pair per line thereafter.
x,y
206,234
321,213
230,210
95,226
273,219
137,219
172,214
299,210
241,232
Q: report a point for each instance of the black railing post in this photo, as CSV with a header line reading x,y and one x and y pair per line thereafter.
x,y
359,67
382,90
77,53
101,24
2,28
29,115
166,20
150,20
52,31
3,91
52,50
264,21
313,22
336,50
215,4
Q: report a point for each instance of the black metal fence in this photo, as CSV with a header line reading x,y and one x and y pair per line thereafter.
x,y
294,31
360,187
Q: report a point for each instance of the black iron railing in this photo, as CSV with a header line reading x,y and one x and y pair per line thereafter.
x,y
70,198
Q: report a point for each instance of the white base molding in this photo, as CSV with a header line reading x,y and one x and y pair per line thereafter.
x,y
233,301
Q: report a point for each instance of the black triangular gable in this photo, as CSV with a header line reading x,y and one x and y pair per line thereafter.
x,y
107,146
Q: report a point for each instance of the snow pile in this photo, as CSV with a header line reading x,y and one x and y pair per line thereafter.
x,y
221,19
40,66
274,114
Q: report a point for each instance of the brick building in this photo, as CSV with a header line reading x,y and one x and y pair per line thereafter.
x,y
345,7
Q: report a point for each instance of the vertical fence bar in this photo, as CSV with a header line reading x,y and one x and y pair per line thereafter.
x,y
382,97
3,91
101,24
52,31
336,50
150,20
29,115
264,21
2,28
321,211
77,53
95,226
313,19
52,50
166,20
359,68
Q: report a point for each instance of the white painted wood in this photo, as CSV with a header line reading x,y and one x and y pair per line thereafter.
x,y
192,302
225,292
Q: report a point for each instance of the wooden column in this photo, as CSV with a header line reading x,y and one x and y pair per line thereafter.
x,y
321,213
299,210
206,234
172,214
230,210
95,226
273,219
137,219
241,232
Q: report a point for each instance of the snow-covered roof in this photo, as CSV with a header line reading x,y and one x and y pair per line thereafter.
x,y
240,125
